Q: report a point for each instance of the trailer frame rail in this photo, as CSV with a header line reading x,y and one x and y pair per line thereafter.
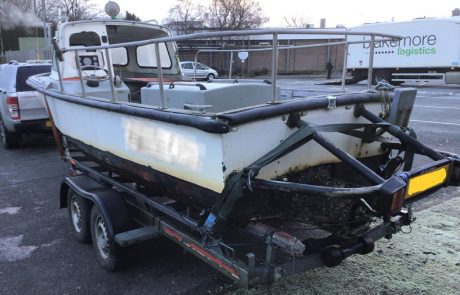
x,y
245,269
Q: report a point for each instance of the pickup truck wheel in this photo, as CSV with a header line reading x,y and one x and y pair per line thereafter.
x,y
79,216
107,251
9,139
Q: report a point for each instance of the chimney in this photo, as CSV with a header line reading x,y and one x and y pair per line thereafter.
x,y
456,12
322,23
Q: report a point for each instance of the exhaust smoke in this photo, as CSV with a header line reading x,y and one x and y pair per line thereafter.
x,y
12,16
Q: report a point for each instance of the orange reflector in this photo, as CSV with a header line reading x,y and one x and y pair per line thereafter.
x,y
397,200
426,181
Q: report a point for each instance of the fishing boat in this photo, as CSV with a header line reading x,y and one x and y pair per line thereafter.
x,y
233,149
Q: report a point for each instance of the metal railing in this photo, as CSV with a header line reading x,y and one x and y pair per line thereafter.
x,y
292,47
275,49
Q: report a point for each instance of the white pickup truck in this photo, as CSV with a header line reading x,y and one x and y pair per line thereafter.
x,y
21,110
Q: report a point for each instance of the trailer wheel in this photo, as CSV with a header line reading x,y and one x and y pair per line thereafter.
x,y
79,216
107,251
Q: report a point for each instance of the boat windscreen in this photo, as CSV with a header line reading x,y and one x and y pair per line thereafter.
x,y
124,33
139,60
85,39
146,56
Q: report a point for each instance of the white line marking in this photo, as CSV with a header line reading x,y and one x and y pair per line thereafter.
x,y
438,97
436,107
11,251
10,210
435,122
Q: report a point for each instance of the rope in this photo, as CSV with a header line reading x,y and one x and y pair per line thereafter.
x,y
385,88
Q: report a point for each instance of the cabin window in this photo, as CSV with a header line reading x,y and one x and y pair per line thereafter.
x,y
119,56
146,56
85,39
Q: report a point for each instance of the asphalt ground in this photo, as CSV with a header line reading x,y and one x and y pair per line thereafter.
x,y
38,254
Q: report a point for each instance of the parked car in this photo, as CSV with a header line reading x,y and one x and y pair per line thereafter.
x,y
21,110
202,71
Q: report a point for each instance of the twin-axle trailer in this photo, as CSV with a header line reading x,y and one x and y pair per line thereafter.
x,y
115,211
429,51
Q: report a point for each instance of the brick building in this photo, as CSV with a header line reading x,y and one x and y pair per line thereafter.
x,y
293,61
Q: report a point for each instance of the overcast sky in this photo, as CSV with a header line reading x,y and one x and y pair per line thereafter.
x,y
348,13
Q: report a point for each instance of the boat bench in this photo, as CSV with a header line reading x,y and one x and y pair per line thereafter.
x,y
212,97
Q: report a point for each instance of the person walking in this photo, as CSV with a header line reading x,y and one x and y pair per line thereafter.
x,y
329,68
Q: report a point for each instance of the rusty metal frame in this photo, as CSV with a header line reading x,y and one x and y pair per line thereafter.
x,y
247,271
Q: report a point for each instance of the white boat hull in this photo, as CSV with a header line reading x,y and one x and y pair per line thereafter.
x,y
202,158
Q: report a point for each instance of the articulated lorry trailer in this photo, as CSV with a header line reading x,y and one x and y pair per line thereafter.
x,y
429,51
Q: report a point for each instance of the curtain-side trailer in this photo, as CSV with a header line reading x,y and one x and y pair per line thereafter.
x,y
428,51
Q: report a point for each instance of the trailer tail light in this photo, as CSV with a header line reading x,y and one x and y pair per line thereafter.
x,y
397,200
392,193
13,107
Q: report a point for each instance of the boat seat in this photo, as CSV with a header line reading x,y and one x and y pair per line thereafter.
x,y
216,96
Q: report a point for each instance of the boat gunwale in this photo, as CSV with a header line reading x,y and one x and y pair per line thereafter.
x,y
207,124
210,122
285,107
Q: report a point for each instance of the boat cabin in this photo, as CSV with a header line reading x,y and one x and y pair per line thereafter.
x,y
136,69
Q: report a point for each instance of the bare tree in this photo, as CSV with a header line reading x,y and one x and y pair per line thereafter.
x,y
78,9
7,5
72,9
185,16
131,16
234,14
297,21
49,13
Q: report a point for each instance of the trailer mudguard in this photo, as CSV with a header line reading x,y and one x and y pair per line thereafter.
x,y
110,202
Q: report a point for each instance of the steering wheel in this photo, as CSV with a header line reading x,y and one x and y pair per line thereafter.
x,y
92,77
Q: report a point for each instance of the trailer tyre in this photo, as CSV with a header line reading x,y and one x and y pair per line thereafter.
x,y
78,211
107,251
